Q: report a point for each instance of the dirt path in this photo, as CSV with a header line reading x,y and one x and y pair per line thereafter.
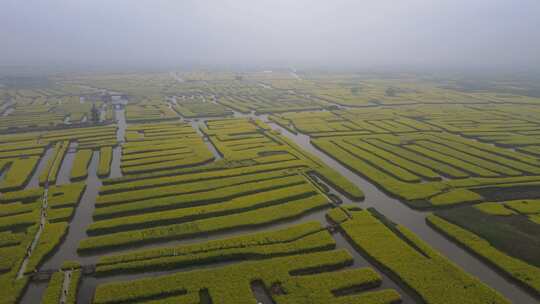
x,y
42,221
65,286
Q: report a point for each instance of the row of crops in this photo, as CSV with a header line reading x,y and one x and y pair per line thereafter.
x,y
20,153
63,285
271,102
196,106
293,279
42,185
157,207
250,186
149,110
401,253
33,223
162,146
489,231
41,110
448,156
418,158
358,91
228,210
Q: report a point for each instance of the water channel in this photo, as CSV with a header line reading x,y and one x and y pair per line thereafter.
x,y
374,197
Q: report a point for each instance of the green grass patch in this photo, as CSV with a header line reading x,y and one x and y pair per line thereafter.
x,y
79,170
398,251
524,273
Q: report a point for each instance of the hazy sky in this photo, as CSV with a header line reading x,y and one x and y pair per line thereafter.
x,y
355,33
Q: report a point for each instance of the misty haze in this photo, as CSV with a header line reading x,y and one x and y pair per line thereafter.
x,y
269,152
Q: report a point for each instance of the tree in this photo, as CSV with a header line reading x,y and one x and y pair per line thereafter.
x,y
94,114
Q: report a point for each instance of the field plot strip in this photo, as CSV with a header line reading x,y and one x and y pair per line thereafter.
x,y
81,218
415,221
42,222
403,255
272,186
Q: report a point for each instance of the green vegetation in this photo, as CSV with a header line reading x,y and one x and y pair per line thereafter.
x,y
402,254
399,172
17,208
297,239
105,160
53,292
513,234
200,107
19,221
19,173
179,146
76,277
145,182
65,195
198,177
524,206
50,109
315,287
427,155
455,196
8,239
504,234
197,193
240,204
70,265
257,217
265,183
27,195
12,258
60,214
149,110
79,170
524,273
49,240
494,209
50,172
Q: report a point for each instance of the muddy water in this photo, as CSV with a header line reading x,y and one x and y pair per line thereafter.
x,y
116,170
399,213
89,283
261,293
37,236
81,220
197,125
393,209
34,292
35,289
77,231
359,261
8,111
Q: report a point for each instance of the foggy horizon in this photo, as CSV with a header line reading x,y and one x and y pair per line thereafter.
x,y
418,34
269,151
